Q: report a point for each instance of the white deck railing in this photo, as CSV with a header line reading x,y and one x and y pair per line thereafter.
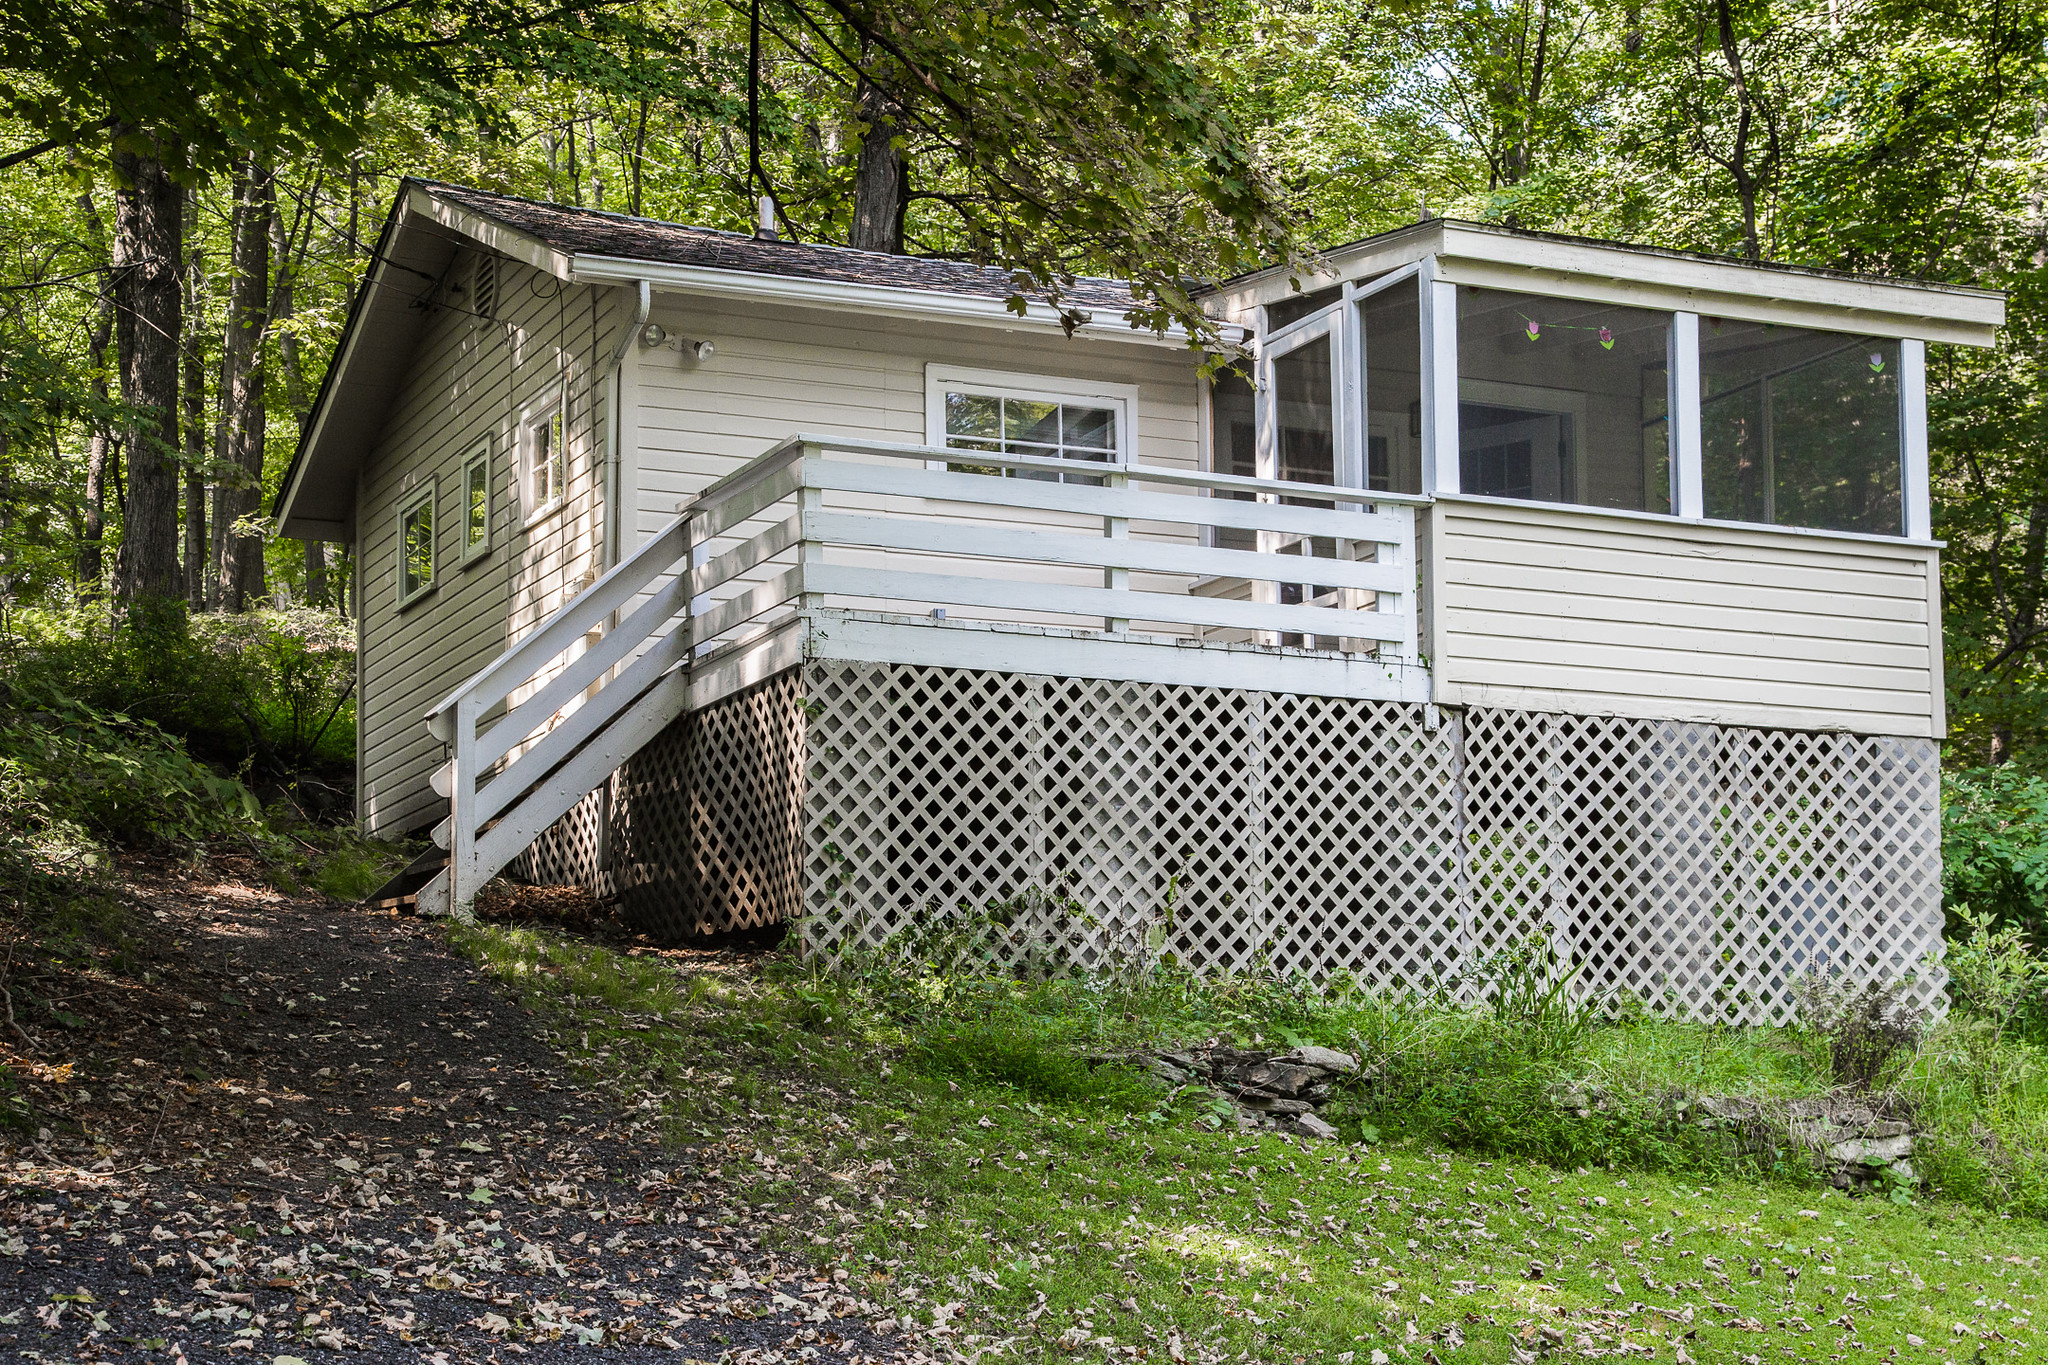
x,y
817,522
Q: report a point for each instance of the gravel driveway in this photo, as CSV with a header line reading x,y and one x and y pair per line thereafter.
x,y
314,1134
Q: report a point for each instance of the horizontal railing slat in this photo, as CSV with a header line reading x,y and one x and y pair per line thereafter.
x,y
849,580
737,611
579,725
727,486
1143,473
748,554
569,623
716,521
521,825
1062,547
522,720
1034,495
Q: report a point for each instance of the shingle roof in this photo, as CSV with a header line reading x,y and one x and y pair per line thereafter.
x,y
597,233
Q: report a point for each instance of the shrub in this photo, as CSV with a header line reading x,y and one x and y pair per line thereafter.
x,y
1994,976
272,689
1861,1029
1994,847
72,775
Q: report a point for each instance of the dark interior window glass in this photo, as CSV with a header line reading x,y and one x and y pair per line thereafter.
x,y
1563,401
1391,323
1800,428
1234,438
1295,307
1305,414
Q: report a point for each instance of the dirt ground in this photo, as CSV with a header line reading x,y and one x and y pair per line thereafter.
x,y
314,1133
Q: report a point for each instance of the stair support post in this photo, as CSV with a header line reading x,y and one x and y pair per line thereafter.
x,y
810,502
462,864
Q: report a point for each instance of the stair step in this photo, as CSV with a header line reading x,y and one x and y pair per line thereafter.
x,y
432,899
402,891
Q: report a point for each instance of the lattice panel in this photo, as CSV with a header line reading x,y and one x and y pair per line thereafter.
x,y
1702,869
572,851
707,833
699,832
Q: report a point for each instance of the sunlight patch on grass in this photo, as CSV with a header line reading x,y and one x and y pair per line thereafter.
x,y
1003,1189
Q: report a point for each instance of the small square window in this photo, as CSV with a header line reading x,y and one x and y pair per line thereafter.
x,y
416,543
476,501
547,459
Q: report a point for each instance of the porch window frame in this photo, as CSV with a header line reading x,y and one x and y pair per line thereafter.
x,y
941,380
423,494
478,458
1440,382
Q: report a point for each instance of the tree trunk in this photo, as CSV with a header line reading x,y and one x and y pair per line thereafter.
x,y
1738,154
295,396
1518,162
881,181
91,570
148,216
238,556
196,562
92,558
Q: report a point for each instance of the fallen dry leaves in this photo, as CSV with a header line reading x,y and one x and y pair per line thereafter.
x,y
300,1129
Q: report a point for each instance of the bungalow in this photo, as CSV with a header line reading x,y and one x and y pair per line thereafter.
x,y
1526,586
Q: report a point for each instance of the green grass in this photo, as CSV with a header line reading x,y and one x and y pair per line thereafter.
x,y
951,1145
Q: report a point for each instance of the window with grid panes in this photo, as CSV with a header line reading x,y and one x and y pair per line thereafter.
x,y
1005,424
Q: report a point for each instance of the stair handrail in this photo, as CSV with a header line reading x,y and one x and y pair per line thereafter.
x,y
575,618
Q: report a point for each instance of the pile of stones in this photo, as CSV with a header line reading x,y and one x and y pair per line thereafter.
x,y
1271,1091
1856,1144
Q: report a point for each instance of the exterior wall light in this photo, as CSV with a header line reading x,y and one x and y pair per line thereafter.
x,y
654,336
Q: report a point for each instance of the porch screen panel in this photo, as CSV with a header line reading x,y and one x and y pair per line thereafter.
x,y
1560,400
1800,428
1305,414
1234,446
1391,324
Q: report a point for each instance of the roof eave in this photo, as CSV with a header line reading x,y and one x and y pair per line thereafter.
x,y
312,434
882,300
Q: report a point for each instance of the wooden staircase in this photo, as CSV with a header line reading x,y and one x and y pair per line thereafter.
x,y
597,681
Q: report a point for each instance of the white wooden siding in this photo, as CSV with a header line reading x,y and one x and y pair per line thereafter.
x,y
1549,608
780,370
470,379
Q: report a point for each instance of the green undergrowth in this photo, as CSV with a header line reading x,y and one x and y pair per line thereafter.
x,y
967,1150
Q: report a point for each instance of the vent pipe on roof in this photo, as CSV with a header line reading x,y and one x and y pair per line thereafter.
x,y
764,221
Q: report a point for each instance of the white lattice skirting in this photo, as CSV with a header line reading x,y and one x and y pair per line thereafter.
x,y
1702,869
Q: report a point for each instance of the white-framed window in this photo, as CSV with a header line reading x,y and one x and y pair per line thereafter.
x,y
1028,414
545,440
476,501
416,543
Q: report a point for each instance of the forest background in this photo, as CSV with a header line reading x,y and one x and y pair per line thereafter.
x,y
188,193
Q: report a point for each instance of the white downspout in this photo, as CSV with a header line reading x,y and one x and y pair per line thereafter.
x,y
614,522
614,538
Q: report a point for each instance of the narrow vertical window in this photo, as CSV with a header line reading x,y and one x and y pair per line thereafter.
x,y
1234,446
476,501
416,543
547,459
